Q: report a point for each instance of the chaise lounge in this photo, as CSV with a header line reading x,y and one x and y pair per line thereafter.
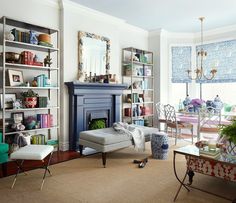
x,y
107,140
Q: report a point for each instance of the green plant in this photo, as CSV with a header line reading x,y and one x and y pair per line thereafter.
x,y
29,93
97,124
229,131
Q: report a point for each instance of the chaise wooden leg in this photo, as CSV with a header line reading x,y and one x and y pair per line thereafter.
x,y
104,159
81,149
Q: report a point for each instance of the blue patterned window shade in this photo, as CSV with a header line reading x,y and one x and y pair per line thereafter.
x,y
181,62
221,55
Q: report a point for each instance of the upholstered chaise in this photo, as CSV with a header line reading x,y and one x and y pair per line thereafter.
x,y
107,140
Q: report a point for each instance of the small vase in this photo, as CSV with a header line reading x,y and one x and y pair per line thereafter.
x,y
30,102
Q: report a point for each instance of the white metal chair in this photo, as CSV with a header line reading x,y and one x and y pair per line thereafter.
x,y
208,121
160,115
172,122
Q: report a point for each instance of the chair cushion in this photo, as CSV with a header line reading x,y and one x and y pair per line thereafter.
x,y
103,136
32,152
4,148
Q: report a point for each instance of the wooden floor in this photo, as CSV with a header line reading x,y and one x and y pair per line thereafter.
x,y
10,168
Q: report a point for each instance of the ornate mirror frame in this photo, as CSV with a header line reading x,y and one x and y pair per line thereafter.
x,y
80,52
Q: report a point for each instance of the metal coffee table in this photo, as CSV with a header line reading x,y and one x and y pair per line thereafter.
x,y
214,167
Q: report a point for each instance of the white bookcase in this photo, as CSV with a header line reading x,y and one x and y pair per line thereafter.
x,y
29,72
137,71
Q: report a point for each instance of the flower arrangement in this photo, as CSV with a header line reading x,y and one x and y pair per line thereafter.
x,y
30,122
29,93
197,102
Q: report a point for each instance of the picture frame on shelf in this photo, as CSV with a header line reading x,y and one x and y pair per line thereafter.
x,y
18,117
9,101
15,77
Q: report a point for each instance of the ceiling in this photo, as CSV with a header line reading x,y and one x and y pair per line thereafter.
x,y
171,15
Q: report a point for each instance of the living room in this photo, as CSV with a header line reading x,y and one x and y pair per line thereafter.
x,y
121,25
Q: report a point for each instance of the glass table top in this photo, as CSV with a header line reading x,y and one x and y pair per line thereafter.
x,y
192,150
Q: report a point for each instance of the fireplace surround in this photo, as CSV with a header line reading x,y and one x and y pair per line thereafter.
x,y
89,101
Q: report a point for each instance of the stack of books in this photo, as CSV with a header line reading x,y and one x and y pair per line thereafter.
x,y
209,153
42,80
38,139
21,36
45,120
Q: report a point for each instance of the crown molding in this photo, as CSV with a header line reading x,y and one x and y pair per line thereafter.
x,y
194,35
217,31
157,32
83,10
92,13
51,3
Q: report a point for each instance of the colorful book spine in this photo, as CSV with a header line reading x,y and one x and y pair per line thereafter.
x,y
45,120
50,120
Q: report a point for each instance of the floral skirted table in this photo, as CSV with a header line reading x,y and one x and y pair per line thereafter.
x,y
224,166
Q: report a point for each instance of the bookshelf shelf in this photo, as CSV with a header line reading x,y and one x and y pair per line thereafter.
x,y
33,130
29,67
36,88
23,45
31,109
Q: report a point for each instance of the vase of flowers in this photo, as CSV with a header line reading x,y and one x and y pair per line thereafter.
x,y
30,98
197,103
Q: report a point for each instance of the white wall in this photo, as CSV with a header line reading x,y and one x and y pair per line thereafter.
x,y
43,13
78,18
71,18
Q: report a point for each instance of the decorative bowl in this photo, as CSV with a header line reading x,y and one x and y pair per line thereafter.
x,y
12,57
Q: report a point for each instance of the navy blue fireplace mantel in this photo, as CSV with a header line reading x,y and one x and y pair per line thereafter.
x,y
89,100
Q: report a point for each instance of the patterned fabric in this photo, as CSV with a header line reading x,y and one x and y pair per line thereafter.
x,y
212,168
159,145
222,56
181,62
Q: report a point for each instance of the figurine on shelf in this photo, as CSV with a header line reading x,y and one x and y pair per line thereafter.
x,y
18,126
34,83
33,37
47,61
9,36
17,104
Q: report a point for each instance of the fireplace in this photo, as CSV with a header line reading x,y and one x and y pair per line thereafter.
x,y
98,116
92,101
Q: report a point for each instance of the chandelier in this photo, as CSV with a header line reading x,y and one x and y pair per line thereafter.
x,y
199,72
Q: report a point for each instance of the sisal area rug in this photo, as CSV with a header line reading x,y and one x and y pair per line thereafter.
x,y
85,180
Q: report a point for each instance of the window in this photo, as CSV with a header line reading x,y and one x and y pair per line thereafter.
x,y
221,55
181,62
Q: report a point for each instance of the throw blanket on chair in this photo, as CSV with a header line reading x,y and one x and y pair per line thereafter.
x,y
133,133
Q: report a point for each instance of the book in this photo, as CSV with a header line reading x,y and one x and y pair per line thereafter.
x,y
206,152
